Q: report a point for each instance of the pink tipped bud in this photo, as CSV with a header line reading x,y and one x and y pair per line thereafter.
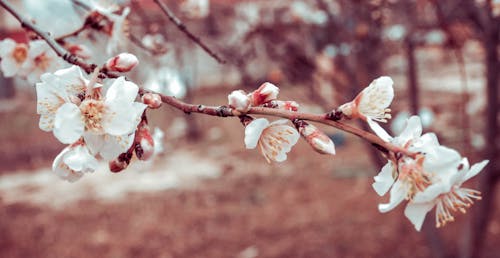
x,y
153,100
318,140
120,163
239,101
289,105
144,143
265,93
123,62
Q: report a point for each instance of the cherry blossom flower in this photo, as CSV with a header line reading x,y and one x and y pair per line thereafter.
x,y
274,139
410,176
64,86
116,115
415,176
372,103
41,59
239,100
265,93
446,194
73,162
12,56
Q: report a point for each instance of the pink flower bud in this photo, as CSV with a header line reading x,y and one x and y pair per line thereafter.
x,y
318,140
144,143
153,100
239,101
265,93
289,105
123,62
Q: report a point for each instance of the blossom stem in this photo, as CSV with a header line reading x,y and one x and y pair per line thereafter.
x,y
224,111
182,27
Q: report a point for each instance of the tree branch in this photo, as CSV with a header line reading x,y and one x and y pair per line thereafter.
x,y
224,111
185,30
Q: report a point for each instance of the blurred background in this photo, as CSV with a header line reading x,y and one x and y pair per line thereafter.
x,y
205,195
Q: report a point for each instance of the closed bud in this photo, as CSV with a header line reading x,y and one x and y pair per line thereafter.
x,y
318,140
239,101
120,163
289,105
153,100
265,93
123,62
144,143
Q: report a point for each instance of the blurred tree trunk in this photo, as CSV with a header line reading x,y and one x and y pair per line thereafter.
x,y
475,232
412,76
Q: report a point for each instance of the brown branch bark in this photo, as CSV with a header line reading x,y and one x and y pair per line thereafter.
x,y
224,111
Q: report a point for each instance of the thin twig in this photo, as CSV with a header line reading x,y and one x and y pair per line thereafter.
x,y
224,111
184,29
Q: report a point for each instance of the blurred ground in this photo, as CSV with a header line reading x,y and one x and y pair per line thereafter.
x,y
309,206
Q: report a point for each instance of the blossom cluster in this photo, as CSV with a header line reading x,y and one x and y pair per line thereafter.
x,y
432,177
98,120
275,139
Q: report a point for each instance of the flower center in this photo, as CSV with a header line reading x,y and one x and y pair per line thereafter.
x,y
20,53
92,111
415,177
42,62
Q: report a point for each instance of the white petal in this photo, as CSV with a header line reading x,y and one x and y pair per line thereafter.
x,y
122,91
412,130
416,213
115,145
376,97
432,192
62,170
379,131
6,47
68,123
253,131
80,160
72,80
475,169
277,140
94,142
8,66
398,194
121,118
384,180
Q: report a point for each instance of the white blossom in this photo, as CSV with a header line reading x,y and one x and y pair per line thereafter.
x,y
41,59
372,103
12,56
73,162
274,139
54,90
446,194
